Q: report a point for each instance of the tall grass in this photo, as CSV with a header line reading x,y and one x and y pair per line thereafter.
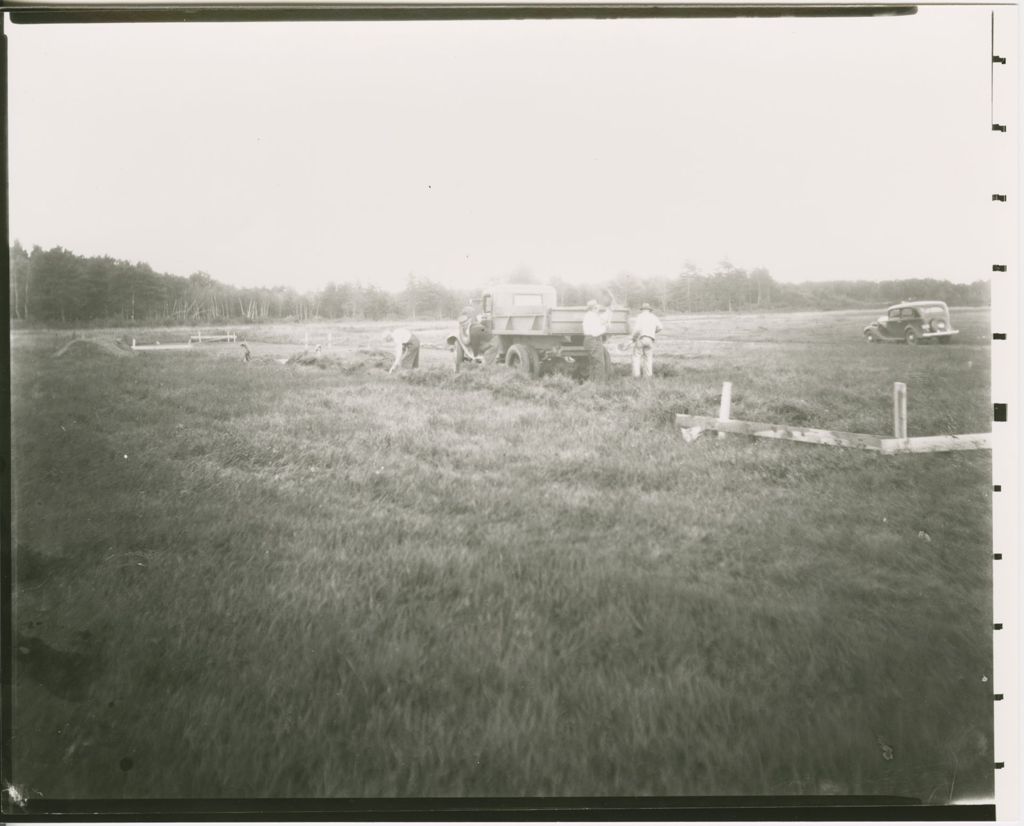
x,y
290,581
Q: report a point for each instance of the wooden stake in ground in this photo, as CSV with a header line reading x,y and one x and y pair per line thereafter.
x,y
899,410
726,405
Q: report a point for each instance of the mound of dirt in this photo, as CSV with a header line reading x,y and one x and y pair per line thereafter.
x,y
345,363
321,360
113,347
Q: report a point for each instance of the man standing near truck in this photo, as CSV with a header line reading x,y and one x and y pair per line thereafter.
x,y
474,330
595,327
645,328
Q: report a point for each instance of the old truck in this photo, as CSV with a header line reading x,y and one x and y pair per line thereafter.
x,y
522,326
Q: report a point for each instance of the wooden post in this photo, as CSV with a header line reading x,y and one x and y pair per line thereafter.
x,y
899,410
133,343
726,405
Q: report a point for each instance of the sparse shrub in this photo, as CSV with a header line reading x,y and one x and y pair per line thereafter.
x,y
560,383
794,412
364,361
421,377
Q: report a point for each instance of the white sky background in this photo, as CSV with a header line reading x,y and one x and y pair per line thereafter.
x,y
299,153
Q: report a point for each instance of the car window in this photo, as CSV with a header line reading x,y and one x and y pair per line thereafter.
x,y
909,312
894,313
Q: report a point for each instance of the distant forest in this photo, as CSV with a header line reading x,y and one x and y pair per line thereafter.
x,y
57,286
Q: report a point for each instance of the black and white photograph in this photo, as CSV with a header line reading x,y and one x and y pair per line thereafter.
x,y
487,402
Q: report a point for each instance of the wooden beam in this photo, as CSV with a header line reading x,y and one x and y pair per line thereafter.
x,y
777,431
160,346
937,444
693,425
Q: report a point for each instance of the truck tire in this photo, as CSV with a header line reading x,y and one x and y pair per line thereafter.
x,y
910,336
523,358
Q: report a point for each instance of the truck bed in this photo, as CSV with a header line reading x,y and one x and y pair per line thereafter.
x,y
561,321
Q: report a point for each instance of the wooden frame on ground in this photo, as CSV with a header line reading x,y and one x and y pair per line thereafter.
x,y
694,426
199,338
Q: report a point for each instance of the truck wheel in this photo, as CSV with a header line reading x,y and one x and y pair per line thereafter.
x,y
460,355
521,357
910,336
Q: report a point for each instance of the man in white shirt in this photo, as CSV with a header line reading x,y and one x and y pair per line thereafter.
x,y
595,327
646,327
407,348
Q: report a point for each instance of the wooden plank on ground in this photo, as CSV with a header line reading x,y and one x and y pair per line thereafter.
x,y
764,430
937,444
161,346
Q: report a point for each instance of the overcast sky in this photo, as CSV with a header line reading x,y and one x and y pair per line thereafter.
x,y
299,153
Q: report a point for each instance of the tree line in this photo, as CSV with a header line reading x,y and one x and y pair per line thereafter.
x,y
58,286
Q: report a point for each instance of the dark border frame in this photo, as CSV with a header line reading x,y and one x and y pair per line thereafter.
x,y
134,12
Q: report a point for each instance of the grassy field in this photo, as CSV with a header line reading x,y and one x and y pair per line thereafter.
x,y
269,579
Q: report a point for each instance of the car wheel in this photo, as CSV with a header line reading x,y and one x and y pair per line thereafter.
x,y
870,338
910,336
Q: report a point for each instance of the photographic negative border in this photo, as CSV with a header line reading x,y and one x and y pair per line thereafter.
x,y
1007,357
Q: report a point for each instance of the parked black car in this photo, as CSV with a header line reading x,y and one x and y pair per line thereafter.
x,y
913,322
